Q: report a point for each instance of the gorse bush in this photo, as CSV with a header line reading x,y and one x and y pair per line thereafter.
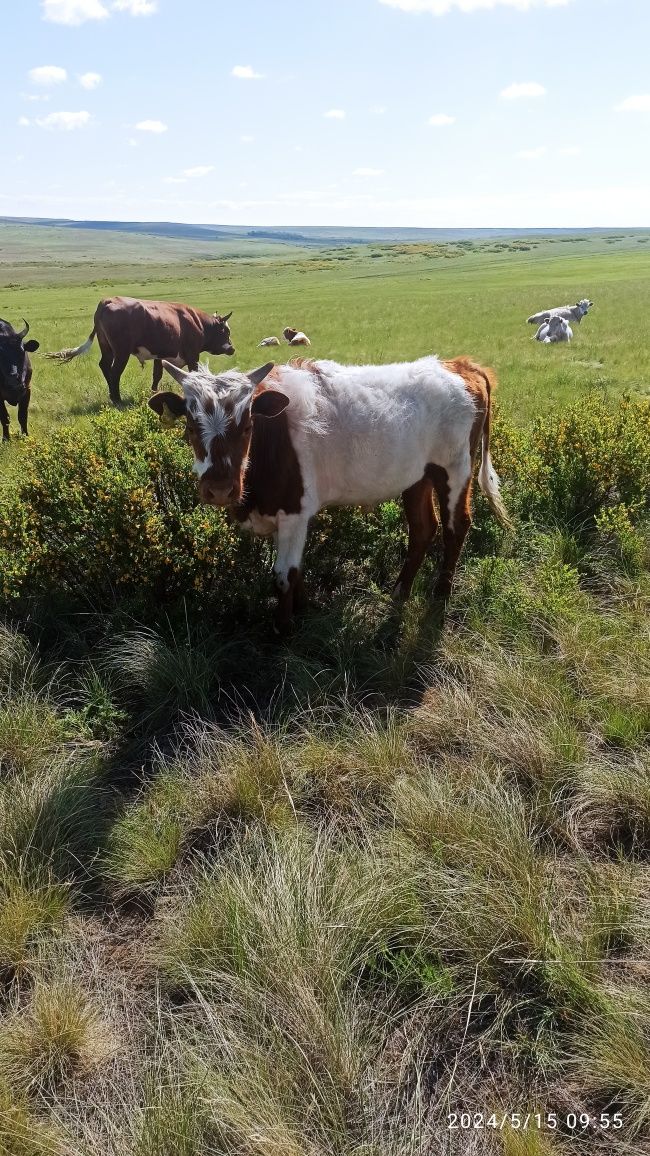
x,y
108,515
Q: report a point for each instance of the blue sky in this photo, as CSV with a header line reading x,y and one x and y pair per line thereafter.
x,y
435,113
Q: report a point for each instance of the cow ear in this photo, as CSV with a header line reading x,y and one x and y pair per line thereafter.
x,y
169,407
269,403
256,376
179,375
31,346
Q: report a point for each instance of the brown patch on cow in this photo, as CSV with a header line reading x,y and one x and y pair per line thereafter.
x,y
422,524
455,526
289,333
480,383
273,479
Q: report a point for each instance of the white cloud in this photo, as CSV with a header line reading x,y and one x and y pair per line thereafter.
x,y
198,171
367,172
73,11
47,74
570,151
335,114
35,97
175,180
90,80
64,121
155,126
440,119
532,154
522,91
246,72
136,7
441,7
640,103
24,121
378,109
247,139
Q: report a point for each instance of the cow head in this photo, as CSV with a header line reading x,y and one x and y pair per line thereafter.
x,y
218,336
13,361
584,306
219,412
289,333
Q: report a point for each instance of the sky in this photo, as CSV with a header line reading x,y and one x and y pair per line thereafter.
x,y
417,113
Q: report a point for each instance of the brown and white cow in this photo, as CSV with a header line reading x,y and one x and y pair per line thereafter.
x,y
151,331
295,336
277,445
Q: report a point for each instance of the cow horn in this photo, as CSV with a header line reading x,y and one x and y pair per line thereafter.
x,y
228,316
23,333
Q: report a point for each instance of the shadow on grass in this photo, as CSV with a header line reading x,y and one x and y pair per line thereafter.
x,y
92,408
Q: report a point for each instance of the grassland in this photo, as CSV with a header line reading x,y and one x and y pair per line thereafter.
x,y
331,896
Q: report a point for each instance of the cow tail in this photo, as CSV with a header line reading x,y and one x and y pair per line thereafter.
x,y
488,479
70,354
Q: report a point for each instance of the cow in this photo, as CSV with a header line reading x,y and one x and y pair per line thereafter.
x,y
151,331
15,374
553,330
277,445
295,336
268,341
571,313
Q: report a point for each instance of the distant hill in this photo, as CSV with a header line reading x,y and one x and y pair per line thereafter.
x,y
308,235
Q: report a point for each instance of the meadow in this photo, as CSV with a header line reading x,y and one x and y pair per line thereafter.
x,y
378,889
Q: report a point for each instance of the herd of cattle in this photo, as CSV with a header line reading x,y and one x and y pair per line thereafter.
x,y
278,444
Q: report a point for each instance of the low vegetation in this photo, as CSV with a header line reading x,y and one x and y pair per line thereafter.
x,y
334,895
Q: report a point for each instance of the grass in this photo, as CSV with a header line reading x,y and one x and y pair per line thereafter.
x,y
313,897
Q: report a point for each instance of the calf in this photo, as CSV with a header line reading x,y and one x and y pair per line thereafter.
x,y
268,341
555,329
571,313
277,445
295,336
15,374
150,331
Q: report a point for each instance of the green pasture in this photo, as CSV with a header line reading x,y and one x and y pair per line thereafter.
x,y
359,303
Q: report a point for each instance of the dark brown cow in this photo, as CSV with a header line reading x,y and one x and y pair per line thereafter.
x,y
151,331
15,374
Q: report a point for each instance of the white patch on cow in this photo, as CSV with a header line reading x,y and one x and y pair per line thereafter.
x,y
143,354
385,424
201,467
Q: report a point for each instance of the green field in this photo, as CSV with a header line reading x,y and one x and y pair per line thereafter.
x,y
379,888
358,303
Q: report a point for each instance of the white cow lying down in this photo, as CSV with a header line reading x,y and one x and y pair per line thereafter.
x,y
571,313
555,329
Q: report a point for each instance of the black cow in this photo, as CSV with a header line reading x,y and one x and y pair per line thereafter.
x,y
15,374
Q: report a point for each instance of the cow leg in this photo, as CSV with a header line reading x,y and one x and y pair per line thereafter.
x,y
291,538
453,489
120,362
23,407
4,421
157,374
106,359
422,524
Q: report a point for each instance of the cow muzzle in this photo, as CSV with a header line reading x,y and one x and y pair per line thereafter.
x,y
228,350
221,494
